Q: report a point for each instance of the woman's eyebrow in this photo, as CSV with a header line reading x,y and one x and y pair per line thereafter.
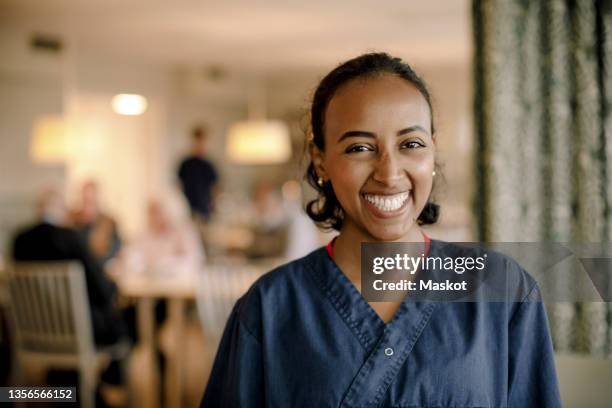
x,y
364,133
356,133
412,129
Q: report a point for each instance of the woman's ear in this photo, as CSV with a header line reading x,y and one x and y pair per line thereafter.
x,y
318,160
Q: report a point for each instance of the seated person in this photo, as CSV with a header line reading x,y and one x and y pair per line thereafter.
x,y
269,223
98,229
49,240
169,246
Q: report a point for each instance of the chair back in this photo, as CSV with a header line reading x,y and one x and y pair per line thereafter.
x,y
50,307
218,290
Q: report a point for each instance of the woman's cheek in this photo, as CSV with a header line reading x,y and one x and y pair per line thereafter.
x,y
422,176
346,184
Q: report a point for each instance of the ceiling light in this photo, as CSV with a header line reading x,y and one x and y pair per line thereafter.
x,y
129,104
258,140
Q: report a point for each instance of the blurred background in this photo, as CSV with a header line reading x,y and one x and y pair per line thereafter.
x,y
160,147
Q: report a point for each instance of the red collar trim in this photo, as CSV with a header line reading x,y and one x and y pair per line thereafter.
x,y
330,246
427,244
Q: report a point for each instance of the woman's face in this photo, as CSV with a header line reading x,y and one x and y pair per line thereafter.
x,y
379,156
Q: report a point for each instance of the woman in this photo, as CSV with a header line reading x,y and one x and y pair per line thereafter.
x,y
304,336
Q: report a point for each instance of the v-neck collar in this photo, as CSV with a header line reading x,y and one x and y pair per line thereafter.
x,y
356,312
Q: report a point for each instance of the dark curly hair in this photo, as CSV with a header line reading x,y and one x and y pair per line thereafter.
x,y
326,210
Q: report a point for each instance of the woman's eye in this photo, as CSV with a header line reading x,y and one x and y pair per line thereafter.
x,y
411,145
359,148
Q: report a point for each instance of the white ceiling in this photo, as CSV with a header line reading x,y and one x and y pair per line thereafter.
x,y
261,36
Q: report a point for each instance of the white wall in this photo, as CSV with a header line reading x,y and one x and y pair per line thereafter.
x,y
584,381
123,153
29,87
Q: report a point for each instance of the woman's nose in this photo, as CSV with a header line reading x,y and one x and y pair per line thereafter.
x,y
387,169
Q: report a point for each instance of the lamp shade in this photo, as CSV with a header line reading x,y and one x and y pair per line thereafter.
x,y
49,142
259,142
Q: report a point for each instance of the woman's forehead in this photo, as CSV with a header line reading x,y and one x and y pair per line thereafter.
x,y
376,102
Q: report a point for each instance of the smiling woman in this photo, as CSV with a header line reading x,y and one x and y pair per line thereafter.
x,y
378,157
304,336
384,81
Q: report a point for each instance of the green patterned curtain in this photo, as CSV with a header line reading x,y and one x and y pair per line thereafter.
x,y
543,89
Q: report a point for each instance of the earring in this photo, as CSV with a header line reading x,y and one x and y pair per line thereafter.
x,y
433,173
320,182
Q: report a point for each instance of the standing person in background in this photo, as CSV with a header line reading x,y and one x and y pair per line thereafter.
x,y
198,176
98,230
198,179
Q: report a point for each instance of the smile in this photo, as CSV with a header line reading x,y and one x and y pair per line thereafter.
x,y
387,203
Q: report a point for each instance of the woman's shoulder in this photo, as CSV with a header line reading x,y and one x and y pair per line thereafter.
x,y
291,272
501,271
284,283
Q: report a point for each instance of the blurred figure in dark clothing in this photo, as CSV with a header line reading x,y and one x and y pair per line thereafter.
x,y
198,176
50,240
98,230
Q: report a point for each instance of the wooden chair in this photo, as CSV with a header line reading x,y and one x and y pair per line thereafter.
x,y
52,320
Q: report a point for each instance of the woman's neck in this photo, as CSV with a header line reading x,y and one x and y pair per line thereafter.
x,y
347,248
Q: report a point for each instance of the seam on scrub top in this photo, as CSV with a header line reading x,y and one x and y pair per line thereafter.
x,y
388,379
363,370
354,292
246,329
333,299
520,308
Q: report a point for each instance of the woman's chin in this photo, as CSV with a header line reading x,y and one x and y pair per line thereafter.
x,y
389,233
396,228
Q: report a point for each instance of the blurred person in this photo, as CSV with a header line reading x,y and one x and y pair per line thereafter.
x,y
268,205
304,334
269,223
50,240
198,176
169,246
302,236
98,230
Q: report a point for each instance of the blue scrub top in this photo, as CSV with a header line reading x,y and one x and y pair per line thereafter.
x,y
303,336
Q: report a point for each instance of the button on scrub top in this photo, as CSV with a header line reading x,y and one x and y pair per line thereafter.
x,y
303,336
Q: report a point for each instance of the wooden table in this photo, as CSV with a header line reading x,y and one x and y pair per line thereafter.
x,y
178,290
146,289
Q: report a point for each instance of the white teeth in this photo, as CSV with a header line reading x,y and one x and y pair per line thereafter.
x,y
387,202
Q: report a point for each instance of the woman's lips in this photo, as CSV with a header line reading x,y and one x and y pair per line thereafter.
x,y
386,206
